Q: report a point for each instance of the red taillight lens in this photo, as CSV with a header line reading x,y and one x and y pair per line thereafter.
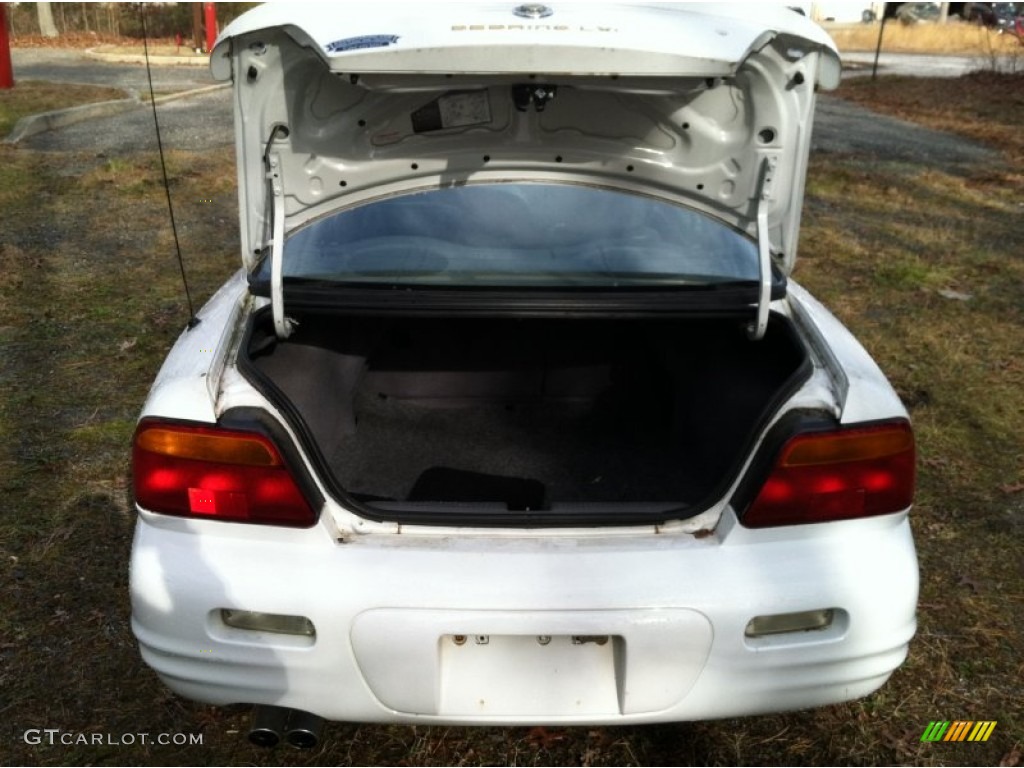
x,y
839,475
221,474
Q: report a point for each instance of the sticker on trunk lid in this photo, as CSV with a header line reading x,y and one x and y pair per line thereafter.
x,y
453,110
363,41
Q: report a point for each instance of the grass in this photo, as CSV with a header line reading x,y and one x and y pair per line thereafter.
x,y
90,301
916,240
30,97
952,38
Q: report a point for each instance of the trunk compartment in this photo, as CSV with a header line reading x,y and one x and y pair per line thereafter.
x,y
613,419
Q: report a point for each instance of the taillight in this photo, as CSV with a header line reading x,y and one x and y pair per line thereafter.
x,y
838,475
220,474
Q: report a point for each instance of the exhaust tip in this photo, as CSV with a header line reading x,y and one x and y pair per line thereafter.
x,y
304,729
267,725
303,739
264,738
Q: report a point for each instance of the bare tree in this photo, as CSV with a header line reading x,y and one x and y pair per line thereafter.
x,y
46,26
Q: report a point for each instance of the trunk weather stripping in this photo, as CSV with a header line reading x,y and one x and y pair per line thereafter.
x,y
757,328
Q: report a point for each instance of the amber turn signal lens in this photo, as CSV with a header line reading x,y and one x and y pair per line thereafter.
x,y
839,447
205,445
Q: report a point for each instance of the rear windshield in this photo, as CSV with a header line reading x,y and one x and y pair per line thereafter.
x,y
519,234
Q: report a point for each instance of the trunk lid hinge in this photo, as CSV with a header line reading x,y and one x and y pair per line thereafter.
x,y
764,257
283,326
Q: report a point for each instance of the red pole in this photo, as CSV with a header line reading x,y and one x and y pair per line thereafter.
x,y
211,25
6,69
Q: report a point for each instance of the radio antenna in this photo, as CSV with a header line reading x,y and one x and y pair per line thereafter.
x,y
193,321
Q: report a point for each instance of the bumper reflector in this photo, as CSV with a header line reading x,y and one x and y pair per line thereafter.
x,y
805,621
268,622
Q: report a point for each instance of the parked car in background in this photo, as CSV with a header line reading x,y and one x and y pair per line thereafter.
x,y
1000,16
514,412
913,13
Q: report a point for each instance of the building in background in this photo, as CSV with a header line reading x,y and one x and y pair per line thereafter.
x,y
846,11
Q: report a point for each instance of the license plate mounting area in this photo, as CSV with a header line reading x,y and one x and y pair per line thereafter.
x,y
530,665
520,675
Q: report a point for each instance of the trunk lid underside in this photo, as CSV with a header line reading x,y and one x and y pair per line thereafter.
x,y
708,106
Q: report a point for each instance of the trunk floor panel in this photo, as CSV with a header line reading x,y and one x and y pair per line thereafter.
x,y
520,454
528,414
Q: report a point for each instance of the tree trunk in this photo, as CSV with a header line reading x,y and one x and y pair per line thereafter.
x,y
197,26
46,26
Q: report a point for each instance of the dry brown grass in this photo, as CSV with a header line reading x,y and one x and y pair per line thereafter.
x,y
29,97
953,38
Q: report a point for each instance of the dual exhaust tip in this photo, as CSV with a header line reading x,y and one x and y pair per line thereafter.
x,y
300,729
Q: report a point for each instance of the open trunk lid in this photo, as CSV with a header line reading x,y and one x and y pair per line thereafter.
x,y
705,105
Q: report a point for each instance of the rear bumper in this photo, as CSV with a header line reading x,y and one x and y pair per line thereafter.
x,y
390,612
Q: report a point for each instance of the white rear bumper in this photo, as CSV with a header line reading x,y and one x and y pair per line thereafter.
x,y
511,630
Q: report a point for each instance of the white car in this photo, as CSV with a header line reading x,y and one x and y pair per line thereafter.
x,y
513,413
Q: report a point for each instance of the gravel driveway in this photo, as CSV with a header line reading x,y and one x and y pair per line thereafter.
x,y
204,121
63,66
913,64
843,127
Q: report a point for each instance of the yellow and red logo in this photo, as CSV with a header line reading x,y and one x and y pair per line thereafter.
x,y
958,730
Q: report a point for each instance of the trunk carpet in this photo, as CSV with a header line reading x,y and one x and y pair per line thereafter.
x,y
523,454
